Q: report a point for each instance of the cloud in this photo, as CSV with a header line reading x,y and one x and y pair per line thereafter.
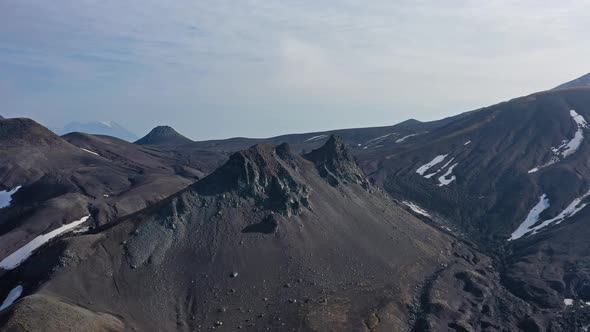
x,y
202,62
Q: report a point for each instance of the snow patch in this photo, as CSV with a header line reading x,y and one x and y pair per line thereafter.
x,y
107,123
400,140
579,119
549,163
316,138
416,208
16,258
13,295
81,230
94,153
467,143
567,147
568,302
428,176
6,197
378,139
437,160
571,210
445,180
531,219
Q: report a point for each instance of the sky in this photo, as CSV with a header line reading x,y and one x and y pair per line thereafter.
x,y
225,68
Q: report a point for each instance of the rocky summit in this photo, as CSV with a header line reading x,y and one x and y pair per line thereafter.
x,y
163,135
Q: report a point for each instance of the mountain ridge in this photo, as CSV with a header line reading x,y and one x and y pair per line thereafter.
x,y
582,81
109,128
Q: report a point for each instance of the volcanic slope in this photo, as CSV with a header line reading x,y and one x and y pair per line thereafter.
x,y
269,241
486,171
514,177
582,81
47,181
163,135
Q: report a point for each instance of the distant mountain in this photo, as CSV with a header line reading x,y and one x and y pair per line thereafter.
x,y
163,135
582,81
109,128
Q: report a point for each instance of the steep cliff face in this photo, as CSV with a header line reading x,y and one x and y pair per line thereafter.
x,y
264,173
336,164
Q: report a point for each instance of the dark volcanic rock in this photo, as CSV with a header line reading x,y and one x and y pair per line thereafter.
x,y
163,135
335,163
268,225
265,173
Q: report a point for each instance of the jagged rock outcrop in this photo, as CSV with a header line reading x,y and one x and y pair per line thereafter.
x,y
264,173
163,135
335,163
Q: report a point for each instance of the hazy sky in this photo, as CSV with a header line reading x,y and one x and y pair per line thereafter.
x,y
220,68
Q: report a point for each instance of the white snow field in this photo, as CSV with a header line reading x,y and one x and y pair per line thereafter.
x,y
403,139
527,226
378,140
416,208
94,153
13,295
531,219
428,176
445,180
437,160
567,147
316,138
6,197
16,258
